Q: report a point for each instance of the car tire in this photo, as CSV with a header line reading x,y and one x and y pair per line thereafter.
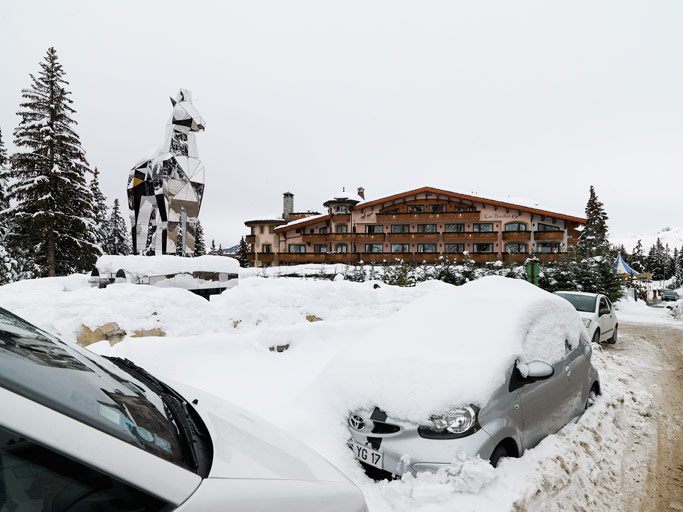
x,y
498,453
613,339
592,396
596,336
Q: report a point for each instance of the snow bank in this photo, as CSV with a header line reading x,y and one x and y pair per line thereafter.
x,y
452,347
165,264
628,310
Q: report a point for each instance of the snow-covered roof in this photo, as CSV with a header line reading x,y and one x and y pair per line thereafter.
x,y
453,347
165,264
304,220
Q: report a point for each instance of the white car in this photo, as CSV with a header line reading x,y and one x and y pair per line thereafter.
x,y
80,432
598,315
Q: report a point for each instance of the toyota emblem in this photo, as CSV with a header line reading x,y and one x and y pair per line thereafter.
x,y
356,422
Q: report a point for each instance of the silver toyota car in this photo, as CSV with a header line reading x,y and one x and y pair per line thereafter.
x,y
518,416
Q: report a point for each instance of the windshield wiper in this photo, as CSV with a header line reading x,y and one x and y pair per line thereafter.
x,y
175,405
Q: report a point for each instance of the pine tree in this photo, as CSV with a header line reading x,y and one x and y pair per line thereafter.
x,y
656,261
638,258
679,268
243,253
199,245
593,240
179,249
52,216
100,211
118,237
9,267
4,172
213,247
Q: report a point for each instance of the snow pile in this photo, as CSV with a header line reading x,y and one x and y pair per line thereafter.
x,y
165,265
452,347
629,310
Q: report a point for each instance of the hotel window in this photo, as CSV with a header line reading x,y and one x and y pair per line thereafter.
x,y
454,228
270,229
297,247
400,228
426,228
341,209
322,231
318,248
515,248
341,248
515,226
373,247
400,247
547,227
374,228
437,208
482,228
261,229
482,247
266,248
454,248
390,210
416,208
461,209
426,247
341,228
548,247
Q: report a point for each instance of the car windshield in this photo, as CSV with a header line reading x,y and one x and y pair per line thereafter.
x,y
91,389
584,303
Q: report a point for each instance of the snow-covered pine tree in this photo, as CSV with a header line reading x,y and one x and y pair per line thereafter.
x,y
679,268
669,263
593,240
243,253
100,211
118,238
212,250
4,171
52,216
199,245
9,267
638,258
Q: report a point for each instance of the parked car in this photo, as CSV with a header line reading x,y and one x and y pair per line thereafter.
x,y
598,315
504,399
81,432
670,295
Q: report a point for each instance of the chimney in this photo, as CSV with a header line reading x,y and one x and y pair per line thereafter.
x,y
287,205
361,192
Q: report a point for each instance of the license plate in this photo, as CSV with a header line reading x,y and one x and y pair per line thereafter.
x,y
367,455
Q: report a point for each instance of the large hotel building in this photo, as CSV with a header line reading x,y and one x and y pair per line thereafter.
x,y
416,226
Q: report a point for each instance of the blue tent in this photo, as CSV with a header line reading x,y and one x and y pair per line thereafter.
x,y
621,267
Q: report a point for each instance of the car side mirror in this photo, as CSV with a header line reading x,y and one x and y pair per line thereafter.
x,y
539,370
604,311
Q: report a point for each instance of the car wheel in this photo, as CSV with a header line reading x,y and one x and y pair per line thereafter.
x,y
613,339
592,396
596,336
498,454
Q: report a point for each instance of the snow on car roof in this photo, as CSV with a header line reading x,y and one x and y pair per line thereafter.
x,y
451,347
165,264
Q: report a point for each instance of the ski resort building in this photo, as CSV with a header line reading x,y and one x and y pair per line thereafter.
x,y
415,226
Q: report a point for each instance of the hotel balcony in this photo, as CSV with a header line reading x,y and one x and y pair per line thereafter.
x,y
408,238
426,217
265,257
542,236
516,236
482,236
302,257
325,238
368,238
484,257
459,236
341,217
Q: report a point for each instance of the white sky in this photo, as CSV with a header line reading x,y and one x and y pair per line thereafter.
x,y
529,99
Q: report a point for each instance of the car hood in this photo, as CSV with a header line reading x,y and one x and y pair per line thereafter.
x,y
246,446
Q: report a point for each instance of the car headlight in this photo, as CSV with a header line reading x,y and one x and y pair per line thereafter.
x,y
458,422
586,322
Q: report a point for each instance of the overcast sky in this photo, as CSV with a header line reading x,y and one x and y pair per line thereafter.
x,y
512,99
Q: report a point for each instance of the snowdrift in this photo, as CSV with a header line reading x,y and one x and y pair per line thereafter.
x,y
165,264
451,347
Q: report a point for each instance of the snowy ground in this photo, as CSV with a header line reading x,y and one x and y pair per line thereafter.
x,y
222,347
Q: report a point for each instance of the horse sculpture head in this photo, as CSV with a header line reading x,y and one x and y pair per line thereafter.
x,y
185,116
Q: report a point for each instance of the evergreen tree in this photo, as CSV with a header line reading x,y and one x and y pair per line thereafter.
x,y
9,267
118,237
243,253
213,247
179,249
679,268
52,216
100,211
593,239
4,172
656,261
199,245
638,258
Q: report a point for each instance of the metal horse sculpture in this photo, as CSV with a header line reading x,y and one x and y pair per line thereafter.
x,y
165,191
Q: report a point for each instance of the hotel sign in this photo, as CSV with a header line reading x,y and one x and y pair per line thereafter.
x,y
494,215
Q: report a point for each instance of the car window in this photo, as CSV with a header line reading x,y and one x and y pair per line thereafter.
x,y
603,303
35,478
584,303
87,388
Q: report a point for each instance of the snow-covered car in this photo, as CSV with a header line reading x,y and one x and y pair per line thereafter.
x,y
670,295
81,432
597,313
487,369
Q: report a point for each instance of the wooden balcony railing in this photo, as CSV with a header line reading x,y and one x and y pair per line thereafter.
x,y
369,238
543,236
516,236
482,236
265,257
428,217
407,238
302,257
460,236
328,237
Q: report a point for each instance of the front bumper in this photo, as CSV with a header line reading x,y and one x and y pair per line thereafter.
x,y
405,451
